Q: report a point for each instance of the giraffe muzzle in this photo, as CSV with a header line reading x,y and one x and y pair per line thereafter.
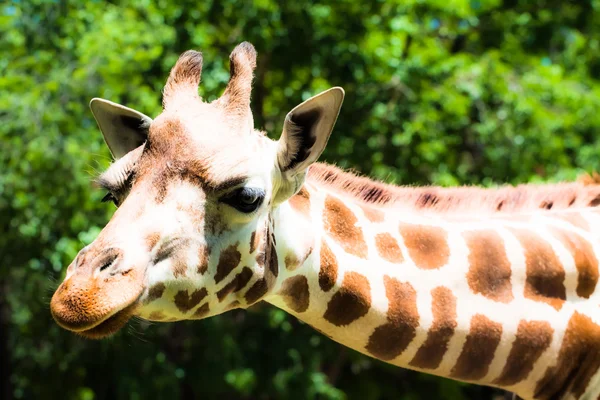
x,y
99,296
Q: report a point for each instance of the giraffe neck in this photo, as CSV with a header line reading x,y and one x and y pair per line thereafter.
x,y
501,301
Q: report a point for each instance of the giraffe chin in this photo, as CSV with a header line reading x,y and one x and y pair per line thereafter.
x,y
111,325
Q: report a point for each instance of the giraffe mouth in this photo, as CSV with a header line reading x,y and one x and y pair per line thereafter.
x,y
110,325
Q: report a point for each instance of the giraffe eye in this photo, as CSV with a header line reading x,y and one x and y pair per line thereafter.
x,y
245,199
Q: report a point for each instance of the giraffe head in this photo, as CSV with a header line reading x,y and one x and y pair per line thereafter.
x,y
195,190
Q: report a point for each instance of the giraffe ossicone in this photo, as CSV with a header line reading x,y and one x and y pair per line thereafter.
x,y
491,286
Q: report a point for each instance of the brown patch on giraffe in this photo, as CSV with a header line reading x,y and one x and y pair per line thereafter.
x,y
232,305
273,260
351,302
185,302
545,274
340,222
156,316
585,260
578,360
260,259
203,255
155,292
532,339
390,339
329,268
292,261
301,202
489,269
574,219
479,348
252,243
388,248
228,260
295,293
152,239
427,245
257,291
443,307
373,214
238,283
201,312
179,266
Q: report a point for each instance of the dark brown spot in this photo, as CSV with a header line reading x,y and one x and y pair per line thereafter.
x,y
301,201
545,274
292,261
228,260
186,302
533,337
489,271
373,214
585,261
295,294
179,266
238,283
151,240
478,350
392,338
351,302
273,260
427,245
329,268
578,360
500,205
156,292
203,254
156,316
388,248
257,291
252,236
340,222
572,201
427,200
260,259
201,311
547,205
255,239
443,307
595,201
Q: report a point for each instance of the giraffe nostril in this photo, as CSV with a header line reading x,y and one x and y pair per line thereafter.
x,y
106,265
108,260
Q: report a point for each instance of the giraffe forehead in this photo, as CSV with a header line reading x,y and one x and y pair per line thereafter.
x,y
206,142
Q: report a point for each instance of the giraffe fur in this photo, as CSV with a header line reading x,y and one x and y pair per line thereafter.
x,y
494,287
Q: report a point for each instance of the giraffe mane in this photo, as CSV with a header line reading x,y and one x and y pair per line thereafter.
x,y
585,192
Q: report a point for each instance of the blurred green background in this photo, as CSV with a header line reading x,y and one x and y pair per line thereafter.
x,y
437,91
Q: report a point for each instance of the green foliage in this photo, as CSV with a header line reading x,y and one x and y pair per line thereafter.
x,y
442,91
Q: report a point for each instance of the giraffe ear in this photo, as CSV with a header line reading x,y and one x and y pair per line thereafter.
x,y
306,131
123,129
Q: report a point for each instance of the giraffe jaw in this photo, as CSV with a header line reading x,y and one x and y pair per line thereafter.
x,y
104,327
110,325
96,308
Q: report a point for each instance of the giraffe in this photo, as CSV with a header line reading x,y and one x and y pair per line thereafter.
x,y
494,287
